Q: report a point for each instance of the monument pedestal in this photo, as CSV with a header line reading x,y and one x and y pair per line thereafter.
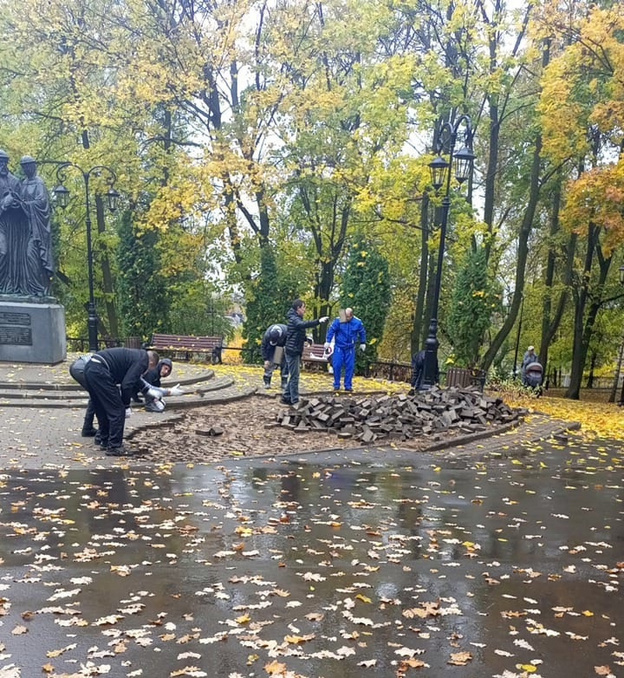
x,y
32,331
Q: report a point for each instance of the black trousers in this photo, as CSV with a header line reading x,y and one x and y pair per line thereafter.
x,y
106,398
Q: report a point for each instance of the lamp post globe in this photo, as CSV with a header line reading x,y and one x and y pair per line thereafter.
x,y
439,167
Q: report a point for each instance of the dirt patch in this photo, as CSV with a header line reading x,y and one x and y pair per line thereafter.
x,y
241,432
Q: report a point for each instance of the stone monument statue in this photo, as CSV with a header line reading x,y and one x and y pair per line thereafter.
x,y
26,267
32,324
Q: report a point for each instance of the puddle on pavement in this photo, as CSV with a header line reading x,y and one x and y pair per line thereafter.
x,y
327,569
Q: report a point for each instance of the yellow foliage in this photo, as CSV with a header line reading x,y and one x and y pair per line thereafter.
x,y
598,420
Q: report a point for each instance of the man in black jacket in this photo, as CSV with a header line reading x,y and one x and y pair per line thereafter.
x,y
112,376
295,338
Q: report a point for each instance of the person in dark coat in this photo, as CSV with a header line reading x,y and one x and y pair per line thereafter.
x,y
111,377
76,369
418,371
295,339
153,377
274,337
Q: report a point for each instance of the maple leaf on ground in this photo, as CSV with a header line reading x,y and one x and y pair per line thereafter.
x,y
460,658
368,663
57,653
297,640
407,664
315,616
425,610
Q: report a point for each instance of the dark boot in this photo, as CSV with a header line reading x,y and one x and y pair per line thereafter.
x,y
102,442
88,432
120,451
267,381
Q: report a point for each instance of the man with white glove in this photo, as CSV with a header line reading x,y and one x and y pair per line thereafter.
x,y
346,331
295,338
154,396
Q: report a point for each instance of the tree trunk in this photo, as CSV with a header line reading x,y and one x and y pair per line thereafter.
x,y
419,309
107,275
431,271
327,272
583,328
616,380
492,164
551,325
592,367
523,251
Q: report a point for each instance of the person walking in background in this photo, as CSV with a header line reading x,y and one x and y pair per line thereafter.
x,y
295,338
347,332
529,357
273,354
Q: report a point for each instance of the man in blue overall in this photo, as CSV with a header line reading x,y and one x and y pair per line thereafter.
x,y
346,334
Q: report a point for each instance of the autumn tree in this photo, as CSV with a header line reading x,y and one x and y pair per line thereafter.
x,y
583,121
366,288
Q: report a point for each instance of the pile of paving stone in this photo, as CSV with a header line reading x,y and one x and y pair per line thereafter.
x,y
399,417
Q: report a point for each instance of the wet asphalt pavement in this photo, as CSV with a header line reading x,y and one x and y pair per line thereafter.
x,y
316,568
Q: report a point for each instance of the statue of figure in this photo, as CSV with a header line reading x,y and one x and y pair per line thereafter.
x,y
36,204
25,243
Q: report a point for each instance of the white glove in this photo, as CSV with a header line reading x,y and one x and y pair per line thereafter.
x,y
156,393
128,412
362,347
176,390
324,319
327,346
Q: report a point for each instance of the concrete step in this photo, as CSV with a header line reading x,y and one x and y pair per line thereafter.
x,y
203,392
66,383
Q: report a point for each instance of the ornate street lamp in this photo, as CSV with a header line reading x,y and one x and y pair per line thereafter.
x,y
462,162
62,200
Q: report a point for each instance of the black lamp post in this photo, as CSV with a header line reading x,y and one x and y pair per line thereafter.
x,y
62,199
441,177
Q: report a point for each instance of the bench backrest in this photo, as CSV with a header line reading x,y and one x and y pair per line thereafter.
x,y
186,342
314,352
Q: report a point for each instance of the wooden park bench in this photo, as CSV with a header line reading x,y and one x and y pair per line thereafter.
x,y
179,345
314,355
464,377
